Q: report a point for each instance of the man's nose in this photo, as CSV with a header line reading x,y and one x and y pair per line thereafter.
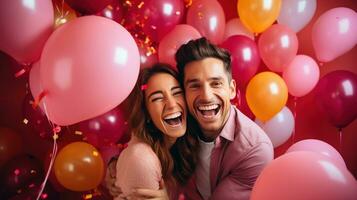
x,y
206,92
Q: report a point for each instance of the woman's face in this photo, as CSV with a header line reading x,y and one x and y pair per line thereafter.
x,y
166,105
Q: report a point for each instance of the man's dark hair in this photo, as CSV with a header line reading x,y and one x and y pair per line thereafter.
x,y
200,49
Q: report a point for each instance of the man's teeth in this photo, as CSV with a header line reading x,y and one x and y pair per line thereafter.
x,y
173,115
210,107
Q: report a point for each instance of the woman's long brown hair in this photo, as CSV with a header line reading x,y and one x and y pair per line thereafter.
x,y
178,162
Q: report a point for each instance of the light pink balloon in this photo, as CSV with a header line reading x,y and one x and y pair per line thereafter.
x,y
180,35
88,67
320,147
296,14
35,82
278,46
304,175
208,18
334,33
235,27
280,127
25,27
301,75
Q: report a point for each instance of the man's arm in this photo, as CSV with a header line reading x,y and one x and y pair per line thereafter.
x,y
239,183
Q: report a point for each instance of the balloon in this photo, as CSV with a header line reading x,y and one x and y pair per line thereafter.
x,y
245,58
88,67
79,167
277,47
301,75
241,103
296,14
208,18
35,84
104,130
304,175
19,173
280,127
318,146
266,95
155,17
10,145
334,33
180,35
258,15
88,7
25,27
114,11
336,97
63,13
235,27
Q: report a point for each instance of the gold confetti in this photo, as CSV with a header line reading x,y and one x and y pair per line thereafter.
x,y
141,4
78,133
88,196
25,121
95,153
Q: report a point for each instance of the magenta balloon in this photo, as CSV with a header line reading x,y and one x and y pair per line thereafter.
x,y
208,18
278,46
156,17
336,96
25,27
301,75
334,33
180,35
88,67
304,175
88,7
235,27
245,58
318,146
104,130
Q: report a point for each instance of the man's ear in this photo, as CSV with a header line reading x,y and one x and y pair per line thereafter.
x,y
232,87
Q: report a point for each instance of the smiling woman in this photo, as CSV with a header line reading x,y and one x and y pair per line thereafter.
x,y
162,147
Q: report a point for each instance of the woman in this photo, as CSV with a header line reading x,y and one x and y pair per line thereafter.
x,y
161,147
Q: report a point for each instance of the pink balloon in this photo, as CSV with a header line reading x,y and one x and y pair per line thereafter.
x,y
245,58
35,83
278,46
334,33
280,127
180,35
88,67
296,14
320,147
304,175
25,27
301,75
235,27
208,18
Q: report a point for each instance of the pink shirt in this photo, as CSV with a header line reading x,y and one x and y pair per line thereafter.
x,y
137,167
241,152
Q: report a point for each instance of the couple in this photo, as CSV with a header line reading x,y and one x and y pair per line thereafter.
x,y
219,158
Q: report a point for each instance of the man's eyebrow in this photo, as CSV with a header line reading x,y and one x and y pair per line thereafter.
x,y
153,93
217,78
191,81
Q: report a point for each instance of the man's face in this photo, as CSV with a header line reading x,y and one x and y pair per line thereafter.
x,y
208,93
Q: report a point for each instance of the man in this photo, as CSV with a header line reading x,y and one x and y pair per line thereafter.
x,y
234,150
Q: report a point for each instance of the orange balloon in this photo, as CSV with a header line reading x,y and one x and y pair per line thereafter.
x,y
63,13
258,15
266,95
79,167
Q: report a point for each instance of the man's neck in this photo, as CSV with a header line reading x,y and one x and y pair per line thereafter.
x,y
210,136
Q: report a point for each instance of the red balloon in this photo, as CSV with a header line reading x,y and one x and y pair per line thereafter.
x,y
336,96
10,145
156,17
105,129
245,58
19,173
88,7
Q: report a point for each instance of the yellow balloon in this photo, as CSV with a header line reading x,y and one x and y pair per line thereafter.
x,y
266,95
258,15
